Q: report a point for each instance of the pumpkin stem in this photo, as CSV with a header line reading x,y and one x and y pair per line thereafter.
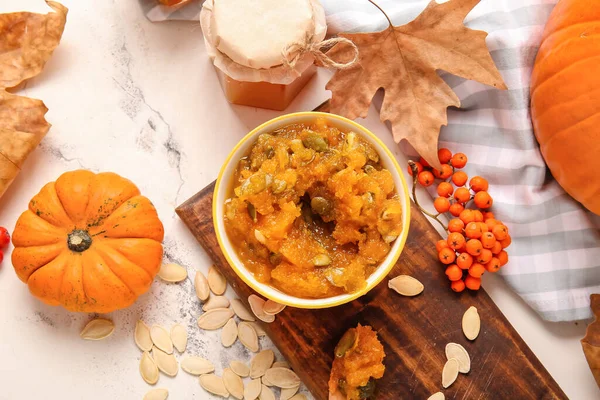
x,y
79,240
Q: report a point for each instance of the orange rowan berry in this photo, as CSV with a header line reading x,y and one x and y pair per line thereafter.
x,y
503,257
459,178
491,222
441,244
456,240
473,230
467,216
478,215
500,232
424,163
483,200
472,283
441,204
478,184
464,260
484,257
497,247
445,189
425,178
458,286
506,242
476,270
455,225
456,209
419,168
454,273
488,240
493,265
444,155
474,247
462,195
488,215
445,173
459,160
447,255
483,226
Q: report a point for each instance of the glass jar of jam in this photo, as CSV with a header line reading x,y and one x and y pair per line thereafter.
x,y
248,42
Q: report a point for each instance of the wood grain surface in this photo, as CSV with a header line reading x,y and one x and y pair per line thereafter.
x,y
414,331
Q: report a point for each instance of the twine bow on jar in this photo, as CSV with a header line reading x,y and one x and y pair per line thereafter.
x,y
292,53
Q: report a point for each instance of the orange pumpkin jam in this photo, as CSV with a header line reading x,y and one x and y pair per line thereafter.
x,y
358,362
312,211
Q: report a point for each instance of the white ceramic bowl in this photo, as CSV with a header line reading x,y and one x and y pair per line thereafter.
x,y
222,193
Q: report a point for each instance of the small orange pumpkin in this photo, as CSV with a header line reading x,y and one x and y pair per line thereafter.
x,y
565,98
89,242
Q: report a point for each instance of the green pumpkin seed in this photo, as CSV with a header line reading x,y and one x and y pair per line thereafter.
x,y
270,152
369,169
279,186
367,391
275,259
252,212
320,205
346,343
315,142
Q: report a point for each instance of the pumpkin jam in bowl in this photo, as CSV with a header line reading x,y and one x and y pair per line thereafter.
x,y
311,210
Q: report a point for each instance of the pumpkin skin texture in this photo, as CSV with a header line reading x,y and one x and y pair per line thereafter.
x,y
565,98
88,242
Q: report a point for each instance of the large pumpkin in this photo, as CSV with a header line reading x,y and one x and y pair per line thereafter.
x,y
565,98
89,242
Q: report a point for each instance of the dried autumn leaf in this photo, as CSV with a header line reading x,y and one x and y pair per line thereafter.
x,y
28,40
403,60
591,341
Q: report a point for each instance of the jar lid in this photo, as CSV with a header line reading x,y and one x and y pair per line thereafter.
x,y
254,32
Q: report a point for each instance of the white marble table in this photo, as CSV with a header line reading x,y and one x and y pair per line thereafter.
x,y
142,100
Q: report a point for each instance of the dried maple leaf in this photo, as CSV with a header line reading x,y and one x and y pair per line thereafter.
x,y
27,41
403,60
591,341
22,127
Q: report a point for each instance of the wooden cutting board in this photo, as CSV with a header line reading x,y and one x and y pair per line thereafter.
x,y
414,331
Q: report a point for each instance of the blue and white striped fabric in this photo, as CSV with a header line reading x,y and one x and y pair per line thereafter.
x,y
555,256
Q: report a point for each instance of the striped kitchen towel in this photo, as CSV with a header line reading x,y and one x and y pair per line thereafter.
x,y
555,256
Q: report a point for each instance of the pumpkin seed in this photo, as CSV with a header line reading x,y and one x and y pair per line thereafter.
x,y
214,319
450,372
248,336
148,369
216,302
179,337
281,364
172,273
266,393
157,394
142,336
97,329
275,259
161,339
347,342
315,142
270,153
201,286
287,393
455,350
239,368
437,396
233,383
320,205
272,308
406,285
369,169
389,238
282,377
257,306
229,333
241,311
321,260
259,329
265,381
252,211
260,237
471,324
252,390
279,185
167,363
214,384
216,281
299,396
261,363
197,366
